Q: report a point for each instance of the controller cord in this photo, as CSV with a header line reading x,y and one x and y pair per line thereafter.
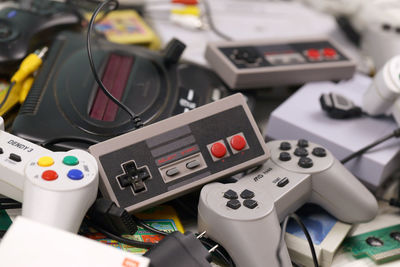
x,y
135,118
395,133
7,95
306,233
211,23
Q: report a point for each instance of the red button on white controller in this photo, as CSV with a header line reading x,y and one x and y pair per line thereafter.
x,y
49,175
329,52
218,150
238,142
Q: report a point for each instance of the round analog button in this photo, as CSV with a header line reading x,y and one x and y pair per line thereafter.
x,y
49,175
75,174
45,161
319,152
218,150
285,146
305,163
284,156
302,143
301,152
70,160
238,142
313,54
329,52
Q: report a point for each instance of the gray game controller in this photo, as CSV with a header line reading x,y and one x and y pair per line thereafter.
x,y
244,216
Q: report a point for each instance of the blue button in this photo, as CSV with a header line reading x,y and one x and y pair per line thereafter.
x,y
11,14
75,174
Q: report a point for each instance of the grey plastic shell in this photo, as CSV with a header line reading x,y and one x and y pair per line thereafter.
x,y
262,77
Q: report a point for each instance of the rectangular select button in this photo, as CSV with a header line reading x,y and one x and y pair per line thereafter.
x,y
192,164
183,167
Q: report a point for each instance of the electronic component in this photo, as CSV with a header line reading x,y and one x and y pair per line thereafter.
x,y
169,158
23,29
109,216
297,172
43,179
338,106
265,63
381,245
383,94
21,81
127,27
186,249
154,85
301,115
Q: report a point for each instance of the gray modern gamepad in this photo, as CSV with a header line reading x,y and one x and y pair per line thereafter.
x,y
244,216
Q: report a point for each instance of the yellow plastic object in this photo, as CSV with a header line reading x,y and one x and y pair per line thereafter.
x,y
45,161
25,88
30,64
187,10
17,95
127,27
12,99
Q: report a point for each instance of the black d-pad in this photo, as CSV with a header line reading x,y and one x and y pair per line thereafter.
x,y
133,176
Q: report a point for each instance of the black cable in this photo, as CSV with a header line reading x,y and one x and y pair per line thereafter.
x,y
7,95
148,227
220,252
135,119
67,139
396,133
10,206
306,233
392,201
8,203
7,200
209,16
120,239
2,233
281,240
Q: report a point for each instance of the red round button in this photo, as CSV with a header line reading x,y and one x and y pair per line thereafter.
x,y
329,52
49,175
313,53
238,142
218,150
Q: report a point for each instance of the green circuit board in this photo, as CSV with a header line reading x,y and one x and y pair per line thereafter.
x,y
381,245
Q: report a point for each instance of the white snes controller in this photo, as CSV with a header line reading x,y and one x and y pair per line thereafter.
x,y
244,216
55,188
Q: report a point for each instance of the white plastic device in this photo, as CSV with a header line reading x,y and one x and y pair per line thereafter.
x,y
383,95
55,188
244,216
31,244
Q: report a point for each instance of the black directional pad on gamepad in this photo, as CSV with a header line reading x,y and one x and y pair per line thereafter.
x,y
133,176
230,194
234,203
250,203
247,194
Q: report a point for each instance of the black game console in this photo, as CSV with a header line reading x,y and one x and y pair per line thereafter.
x,y
66,108
22,31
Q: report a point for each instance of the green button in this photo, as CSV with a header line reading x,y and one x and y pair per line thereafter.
x,y
70,160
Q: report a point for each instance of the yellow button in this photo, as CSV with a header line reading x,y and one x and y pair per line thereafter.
x,y
45,161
